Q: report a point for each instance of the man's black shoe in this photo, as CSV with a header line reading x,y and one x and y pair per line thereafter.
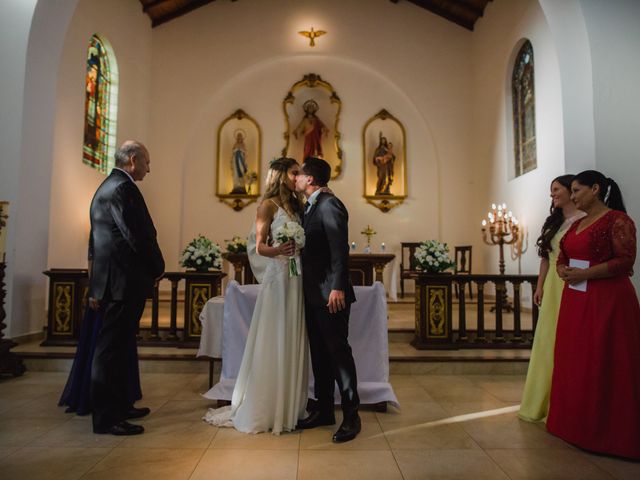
x,y
134,412
123,428
316,419
348,430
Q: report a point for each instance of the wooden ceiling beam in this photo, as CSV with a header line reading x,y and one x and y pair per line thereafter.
x,y
194,4
152,4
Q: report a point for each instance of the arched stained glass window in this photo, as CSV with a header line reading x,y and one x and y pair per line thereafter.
x,y
101,105
524,111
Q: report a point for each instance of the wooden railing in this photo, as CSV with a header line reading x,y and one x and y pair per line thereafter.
x,y
67,300
434,312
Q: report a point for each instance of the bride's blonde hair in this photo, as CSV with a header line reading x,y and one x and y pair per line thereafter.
x,y
276,186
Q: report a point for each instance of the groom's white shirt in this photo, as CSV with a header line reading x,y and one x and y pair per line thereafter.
x,y
311,200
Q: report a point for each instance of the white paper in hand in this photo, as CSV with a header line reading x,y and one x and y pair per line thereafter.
x,y
582,264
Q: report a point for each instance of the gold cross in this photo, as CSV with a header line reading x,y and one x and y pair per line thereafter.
x,y
312,35
368,232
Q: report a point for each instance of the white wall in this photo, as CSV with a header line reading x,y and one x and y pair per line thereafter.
x,y
15,21
614,38
497,38
128,30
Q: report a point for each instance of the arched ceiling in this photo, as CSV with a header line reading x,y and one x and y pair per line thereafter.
x,y
462,12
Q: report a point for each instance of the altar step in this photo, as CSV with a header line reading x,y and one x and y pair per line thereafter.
x,y
403,359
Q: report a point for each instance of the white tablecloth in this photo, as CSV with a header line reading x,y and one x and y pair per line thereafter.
x,y
367,336
211,335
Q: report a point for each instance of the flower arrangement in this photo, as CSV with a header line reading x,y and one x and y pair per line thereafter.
x,y
237,244
433,257
201,254
291,231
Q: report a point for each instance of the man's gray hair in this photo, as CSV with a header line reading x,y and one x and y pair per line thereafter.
x,y
124,153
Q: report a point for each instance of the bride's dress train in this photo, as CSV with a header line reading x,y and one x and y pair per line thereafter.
x,y
270,392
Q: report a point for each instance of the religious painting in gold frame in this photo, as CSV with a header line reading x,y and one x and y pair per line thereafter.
x,y
384,161
312,116
238,162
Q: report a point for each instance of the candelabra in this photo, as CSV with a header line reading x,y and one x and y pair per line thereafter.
x,y
9,362
501,229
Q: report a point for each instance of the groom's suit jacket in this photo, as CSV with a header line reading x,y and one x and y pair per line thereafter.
x,y
325,257
126,258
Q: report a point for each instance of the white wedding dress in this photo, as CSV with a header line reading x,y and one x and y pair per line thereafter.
x,y
270,392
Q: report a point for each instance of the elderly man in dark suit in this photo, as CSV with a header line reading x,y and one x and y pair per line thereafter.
x,y
328,296
125,260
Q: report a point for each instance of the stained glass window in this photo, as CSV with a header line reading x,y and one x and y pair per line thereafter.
x,y
101,106
524,111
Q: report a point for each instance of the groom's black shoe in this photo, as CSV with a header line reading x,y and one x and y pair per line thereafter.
x,y
350,427
134,412
316,419
122,428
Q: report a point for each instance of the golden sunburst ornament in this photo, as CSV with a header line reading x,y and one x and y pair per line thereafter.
x,y
312,35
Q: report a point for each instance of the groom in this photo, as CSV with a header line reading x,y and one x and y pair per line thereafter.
x,y
328,296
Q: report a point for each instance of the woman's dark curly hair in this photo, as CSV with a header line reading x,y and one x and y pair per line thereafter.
x,y
554,221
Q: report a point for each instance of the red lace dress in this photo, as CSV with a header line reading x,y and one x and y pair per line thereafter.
x,y
595,391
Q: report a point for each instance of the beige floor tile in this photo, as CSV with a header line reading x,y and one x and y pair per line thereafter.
x,y
231,438
44,406
370,438
20,432
50,463
229,464
433,435
351,465
507,390
414,393
411,413
402,381
6,451
152,463
480,406
620,469
183,410
547,464
160,433
507,431
77,432
448,465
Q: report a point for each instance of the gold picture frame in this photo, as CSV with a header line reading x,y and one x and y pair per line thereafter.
x,y
384,161
312,116
238,162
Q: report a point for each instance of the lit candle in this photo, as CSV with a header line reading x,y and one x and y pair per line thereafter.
x,y
493,206
382,247
484,223
353,246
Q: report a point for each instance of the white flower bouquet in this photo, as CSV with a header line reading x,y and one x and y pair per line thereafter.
x,y
237,244
433,257
291,231
201,254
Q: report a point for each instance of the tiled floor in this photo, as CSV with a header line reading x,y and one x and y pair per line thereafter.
x,y
450,427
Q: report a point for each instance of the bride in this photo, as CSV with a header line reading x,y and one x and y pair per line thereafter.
x,y
270,392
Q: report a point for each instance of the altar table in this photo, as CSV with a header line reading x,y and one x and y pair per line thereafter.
x,y
226,327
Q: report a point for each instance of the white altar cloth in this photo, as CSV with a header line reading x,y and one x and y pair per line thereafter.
x,y
368,337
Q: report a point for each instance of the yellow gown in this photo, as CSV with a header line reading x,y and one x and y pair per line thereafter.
x,y
535,397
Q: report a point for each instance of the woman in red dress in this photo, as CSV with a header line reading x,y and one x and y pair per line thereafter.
x,y
595,391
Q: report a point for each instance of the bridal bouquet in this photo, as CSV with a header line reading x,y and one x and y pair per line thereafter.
x,y
201,254
433,257
291,231
237,244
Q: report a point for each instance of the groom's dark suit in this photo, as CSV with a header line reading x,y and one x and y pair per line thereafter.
x,y
126,260
325,267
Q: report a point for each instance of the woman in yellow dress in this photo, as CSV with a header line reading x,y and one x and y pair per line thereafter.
x,y
563,212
